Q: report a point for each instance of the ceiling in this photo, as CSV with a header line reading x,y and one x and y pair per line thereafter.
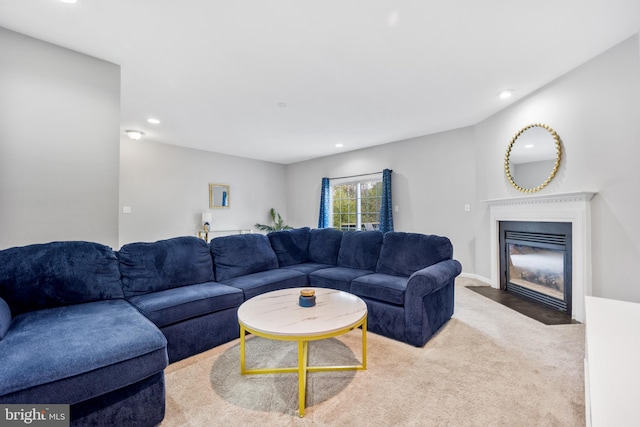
x,y
287,80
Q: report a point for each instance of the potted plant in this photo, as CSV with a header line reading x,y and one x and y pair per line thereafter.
x,y
278,224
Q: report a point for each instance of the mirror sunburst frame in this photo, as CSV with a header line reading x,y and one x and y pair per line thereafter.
x,y
556,166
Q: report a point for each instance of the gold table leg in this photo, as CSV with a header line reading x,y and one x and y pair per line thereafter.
x,y
303,354
242,351
364,344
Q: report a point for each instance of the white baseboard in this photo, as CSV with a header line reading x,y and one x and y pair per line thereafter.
x,y
476,277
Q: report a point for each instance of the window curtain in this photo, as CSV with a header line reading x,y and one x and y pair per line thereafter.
x,y
386,206
323,220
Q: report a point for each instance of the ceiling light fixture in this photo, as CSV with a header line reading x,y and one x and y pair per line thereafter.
x,y
69,1
153,121
134,134
392,20
339,145
505,94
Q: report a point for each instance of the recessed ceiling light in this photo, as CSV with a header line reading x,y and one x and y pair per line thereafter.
x,y
153,121
134,134
392,20
339,145
505,94
528,146
69,1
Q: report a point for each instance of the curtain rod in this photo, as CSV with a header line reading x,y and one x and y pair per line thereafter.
x,y
355,176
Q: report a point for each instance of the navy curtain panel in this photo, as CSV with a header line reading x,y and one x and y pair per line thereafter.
x,y
323,220
386,206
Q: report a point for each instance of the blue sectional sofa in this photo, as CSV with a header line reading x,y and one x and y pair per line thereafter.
x,y
67,335
84,325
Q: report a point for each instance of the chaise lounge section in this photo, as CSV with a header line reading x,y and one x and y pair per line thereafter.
x,y
87,326
73,339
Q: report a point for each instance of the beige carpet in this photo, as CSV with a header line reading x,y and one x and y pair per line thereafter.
x,y
488,366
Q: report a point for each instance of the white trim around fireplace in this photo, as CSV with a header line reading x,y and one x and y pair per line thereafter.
x,y
566,207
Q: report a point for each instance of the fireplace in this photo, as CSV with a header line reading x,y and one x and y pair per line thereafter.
x,y
573,208
535,261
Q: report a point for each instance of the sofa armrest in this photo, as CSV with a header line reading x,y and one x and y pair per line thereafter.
x,y
431,279
428,304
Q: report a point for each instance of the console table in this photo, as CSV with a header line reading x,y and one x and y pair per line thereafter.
x,y
221,233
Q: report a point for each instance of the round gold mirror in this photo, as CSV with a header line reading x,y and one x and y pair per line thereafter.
x,y
533,158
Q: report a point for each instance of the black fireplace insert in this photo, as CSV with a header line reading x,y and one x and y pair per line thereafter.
x,y
535,261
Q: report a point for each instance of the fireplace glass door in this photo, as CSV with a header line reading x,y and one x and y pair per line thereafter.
x,y
538,269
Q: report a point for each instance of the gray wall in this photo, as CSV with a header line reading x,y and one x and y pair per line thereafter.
x,y
432,180
63,176
59,143
596,111
167,189
61,156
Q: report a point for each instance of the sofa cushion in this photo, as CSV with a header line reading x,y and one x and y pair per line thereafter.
x,y
165,264
266,281
54,274
175,305
242,254
291,246
308,267
403,254
381,287
324,245
360,249
70,354
336,277
5,318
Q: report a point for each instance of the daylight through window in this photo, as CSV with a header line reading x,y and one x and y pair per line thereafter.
x,y
356,204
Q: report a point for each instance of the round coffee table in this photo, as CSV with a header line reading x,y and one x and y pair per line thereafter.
x,y
278,316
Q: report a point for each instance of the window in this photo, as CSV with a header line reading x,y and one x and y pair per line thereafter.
x,y
355,205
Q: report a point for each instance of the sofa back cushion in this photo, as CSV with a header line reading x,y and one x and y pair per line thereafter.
x,y
291,246
165,264
55,274
360,249
324,245
242,254
402,254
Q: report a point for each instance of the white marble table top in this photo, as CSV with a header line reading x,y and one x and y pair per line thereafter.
x,y
278,312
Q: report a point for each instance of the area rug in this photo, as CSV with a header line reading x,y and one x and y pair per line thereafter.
x,y
488,366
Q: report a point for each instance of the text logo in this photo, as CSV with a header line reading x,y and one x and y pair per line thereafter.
x,y
34,415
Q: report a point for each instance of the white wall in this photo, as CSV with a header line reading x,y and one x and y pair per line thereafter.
x,y
595,109
61,156
167,188
59,142
432,180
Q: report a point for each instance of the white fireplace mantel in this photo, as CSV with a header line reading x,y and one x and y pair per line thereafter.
x,y
564,207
